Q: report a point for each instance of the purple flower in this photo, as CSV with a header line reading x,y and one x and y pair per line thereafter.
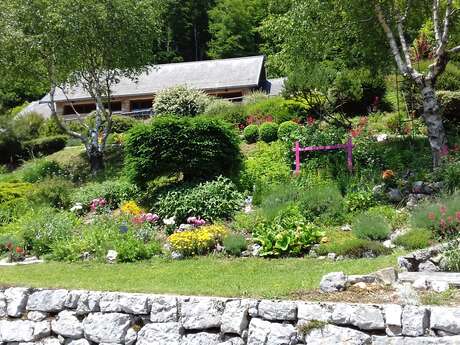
x,y
151,218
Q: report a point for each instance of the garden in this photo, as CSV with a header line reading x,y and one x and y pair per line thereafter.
x,y
202,198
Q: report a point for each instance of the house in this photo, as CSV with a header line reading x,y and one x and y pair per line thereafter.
x,y
230,79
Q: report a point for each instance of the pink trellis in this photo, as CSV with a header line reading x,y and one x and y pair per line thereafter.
x,y
348,147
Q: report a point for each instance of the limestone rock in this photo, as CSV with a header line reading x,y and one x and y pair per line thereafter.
x,y
393,315
333,335
366,278
202,313
233,341
67,325
445,319
163,309
367,317
111,256
379,340
106,328
428,266
201,339
131,337
420,284
387,276
313,311
23,330
439,286
88,302
267,333
109,303
77,342
333,282
160,334
16,300
134,303
414,321
71,301
3,311
47,300
36,316
235,317
277,310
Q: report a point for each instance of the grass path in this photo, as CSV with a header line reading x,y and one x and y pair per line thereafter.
x,y
251,277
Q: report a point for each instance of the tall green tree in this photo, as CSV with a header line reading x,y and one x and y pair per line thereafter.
x,y
233,25
90,44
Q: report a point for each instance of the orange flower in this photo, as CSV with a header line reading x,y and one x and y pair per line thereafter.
x,y
388,174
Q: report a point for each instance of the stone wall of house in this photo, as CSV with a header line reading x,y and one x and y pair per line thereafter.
x,y
62,317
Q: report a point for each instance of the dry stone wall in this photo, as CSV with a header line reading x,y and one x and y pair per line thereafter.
x,y
62,317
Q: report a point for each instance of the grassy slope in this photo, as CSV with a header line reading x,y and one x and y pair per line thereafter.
x,y
201,276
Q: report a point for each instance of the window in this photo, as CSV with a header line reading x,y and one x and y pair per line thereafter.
x,y
88,108
141,104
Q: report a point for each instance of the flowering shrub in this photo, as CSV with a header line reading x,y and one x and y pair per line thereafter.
x,y
443,217
197,221
131,208
98,205
146,218
197,242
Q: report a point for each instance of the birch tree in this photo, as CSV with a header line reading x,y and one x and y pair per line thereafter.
x,y
392,17
89,44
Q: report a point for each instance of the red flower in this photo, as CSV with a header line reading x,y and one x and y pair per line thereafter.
x,y
444,151
443,223
355,132
310,120
19,250
431,216
457,215
443,210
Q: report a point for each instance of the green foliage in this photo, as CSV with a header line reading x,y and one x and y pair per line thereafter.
x,y
50,128
288,234
39,169
45,145
265,167
268,132
452,257
235,244
113,191
12,210
449,174
251,134
120,123
274,108
233,28
322,204
442,216
449,79
200,148
180,101
12,190
55,192
233,113
41,228
27,127
130,249
359,201
10,146
449,102
415,239
371,227
245,222
396,218
212,200
354,248
287,129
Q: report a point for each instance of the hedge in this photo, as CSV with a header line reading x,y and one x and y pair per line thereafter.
x,y
45,145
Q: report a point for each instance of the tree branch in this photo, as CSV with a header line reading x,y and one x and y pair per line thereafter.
x,y
437,27
404,46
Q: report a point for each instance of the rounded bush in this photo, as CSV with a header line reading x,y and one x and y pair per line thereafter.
x,y
251,134
286,129
268,132
199,148
180,101
46,145
371,227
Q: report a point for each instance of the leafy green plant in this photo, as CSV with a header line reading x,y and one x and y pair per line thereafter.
x,y
55,192
218,199
245,222
130,249
287,129
180,101
251,134
415,239
452,257
396,218
27,126
198,148
354,248
449,174
323,203
371,227
268,132
288,234
309,326
113,191
235,244
13,190
359,201
45,145
41,169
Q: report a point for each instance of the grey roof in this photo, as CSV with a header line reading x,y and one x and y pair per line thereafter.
x,y
35,107
275,86
204,75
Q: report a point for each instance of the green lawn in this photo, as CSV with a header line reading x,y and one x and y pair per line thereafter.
x,y
202,276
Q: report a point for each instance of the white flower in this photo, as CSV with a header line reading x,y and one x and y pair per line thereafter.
x,y
77,207
169,221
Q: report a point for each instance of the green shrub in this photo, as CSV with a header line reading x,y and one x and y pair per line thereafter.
x,y
12,190
354,248
449,80
274,107
245,222
235,244
268,132
371,227
10,146
50,128
449,102
43,227
359,201
199,148
251,134
232,113
415,239
212,200
40,169
120,123
452,257
441,217
55,192
288,234
449,174
265,167
113,191
12,210
323,204
130,249
27,126
396,218
286,130
180,101
46,145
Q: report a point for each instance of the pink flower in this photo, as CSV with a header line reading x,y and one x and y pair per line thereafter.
x,y
151,218
443,223
191,220
443,210
310,120
450,219
457,215
431,216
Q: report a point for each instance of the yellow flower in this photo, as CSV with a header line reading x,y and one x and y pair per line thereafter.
x,y
131,208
